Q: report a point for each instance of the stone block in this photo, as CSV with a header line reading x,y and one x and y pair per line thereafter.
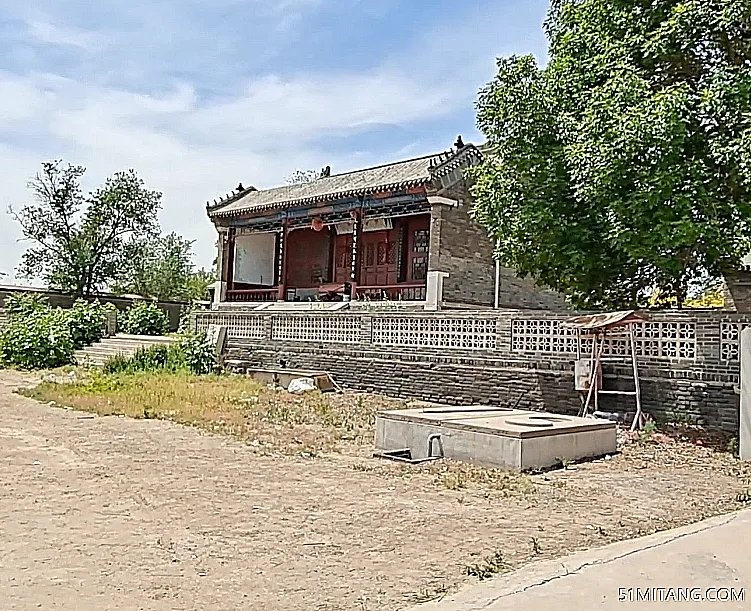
x,y
494,437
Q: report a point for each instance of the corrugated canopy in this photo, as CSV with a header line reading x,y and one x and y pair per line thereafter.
x,y
607,320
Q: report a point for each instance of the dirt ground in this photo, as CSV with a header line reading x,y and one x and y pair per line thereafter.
x,y
114,513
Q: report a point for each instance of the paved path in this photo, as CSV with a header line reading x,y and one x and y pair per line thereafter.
x,y
712,557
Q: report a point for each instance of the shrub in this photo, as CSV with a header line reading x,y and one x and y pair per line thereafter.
x,y
87,321
190,352
145,318
19,305
41,339
197,354
38,336
186,313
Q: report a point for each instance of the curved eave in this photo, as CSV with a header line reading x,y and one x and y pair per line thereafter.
x,y
329,197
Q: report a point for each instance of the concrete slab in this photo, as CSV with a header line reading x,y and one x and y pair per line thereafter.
x,y
745,415
494,437
703,566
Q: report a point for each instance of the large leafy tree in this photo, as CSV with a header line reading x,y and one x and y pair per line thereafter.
x,y
624,165
162,267
81,243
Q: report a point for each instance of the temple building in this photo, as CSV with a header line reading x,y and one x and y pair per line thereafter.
x,y
396,232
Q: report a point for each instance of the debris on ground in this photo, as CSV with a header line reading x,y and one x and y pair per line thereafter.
x,y
300,386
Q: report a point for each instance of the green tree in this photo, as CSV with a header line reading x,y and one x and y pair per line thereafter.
x,y
624,165
81,242
162,267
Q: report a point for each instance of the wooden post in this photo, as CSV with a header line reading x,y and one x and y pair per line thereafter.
x,y
355,269
637,423
230,269
282,257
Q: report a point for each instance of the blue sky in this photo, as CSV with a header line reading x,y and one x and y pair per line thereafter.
x,y
198,95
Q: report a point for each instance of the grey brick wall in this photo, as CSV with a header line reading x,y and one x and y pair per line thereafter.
x,y
739,288
688,366
461,247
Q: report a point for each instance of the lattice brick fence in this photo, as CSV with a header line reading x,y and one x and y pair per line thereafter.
x,y
324,329
239,326
657,340
435,332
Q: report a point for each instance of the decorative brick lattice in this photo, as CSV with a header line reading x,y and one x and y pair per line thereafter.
x,y
547,336
657,340
666,340
460,333
324,329
730,336
239,326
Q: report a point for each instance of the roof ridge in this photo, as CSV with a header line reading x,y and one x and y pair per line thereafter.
x,y
406,173
365,169
385,165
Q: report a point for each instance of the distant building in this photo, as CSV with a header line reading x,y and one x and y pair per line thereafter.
x,y
380,233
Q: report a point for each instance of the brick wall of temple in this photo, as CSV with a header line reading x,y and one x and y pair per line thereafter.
x,y
738,295
688,362
461,247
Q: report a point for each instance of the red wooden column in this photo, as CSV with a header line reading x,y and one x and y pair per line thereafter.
x,y
228,273
282,259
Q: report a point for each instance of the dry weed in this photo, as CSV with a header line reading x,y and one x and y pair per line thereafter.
x,y
269,419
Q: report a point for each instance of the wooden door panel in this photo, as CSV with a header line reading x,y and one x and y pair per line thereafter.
x,y
379,261
343,259
418,246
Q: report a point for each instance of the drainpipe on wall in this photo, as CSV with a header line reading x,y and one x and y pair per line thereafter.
x,y
497,280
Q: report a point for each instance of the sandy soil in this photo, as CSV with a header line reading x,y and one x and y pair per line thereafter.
x,y
113,513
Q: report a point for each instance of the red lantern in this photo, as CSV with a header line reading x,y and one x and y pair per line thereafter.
x,y
317,224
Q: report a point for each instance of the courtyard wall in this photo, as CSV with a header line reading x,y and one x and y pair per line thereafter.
x,y
173,309
688,361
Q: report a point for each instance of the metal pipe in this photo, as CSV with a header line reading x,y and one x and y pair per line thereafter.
x,y
497,277
431,439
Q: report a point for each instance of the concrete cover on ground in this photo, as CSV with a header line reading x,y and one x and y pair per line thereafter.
x,y
494,437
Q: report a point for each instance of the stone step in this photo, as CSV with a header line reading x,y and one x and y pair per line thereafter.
x,y
99,353
118,340
142,338
117,349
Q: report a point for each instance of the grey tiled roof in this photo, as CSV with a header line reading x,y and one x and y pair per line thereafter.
x,y
392,176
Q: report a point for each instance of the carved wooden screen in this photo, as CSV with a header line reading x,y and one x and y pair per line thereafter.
x,y
379,258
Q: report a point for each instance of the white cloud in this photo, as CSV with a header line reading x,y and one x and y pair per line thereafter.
x,y
303,108
50,33
192,148
192,152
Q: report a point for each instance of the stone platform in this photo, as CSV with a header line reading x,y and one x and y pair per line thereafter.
x,y
493,437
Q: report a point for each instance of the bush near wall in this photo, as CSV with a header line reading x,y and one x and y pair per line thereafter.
x,y
144,318
38,336
191,352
